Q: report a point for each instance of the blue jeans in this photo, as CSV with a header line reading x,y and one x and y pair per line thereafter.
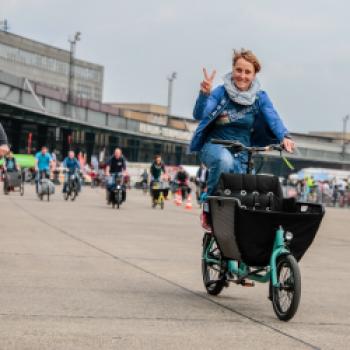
x,y
219,159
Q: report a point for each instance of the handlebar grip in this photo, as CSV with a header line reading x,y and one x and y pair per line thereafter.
x,y
279,148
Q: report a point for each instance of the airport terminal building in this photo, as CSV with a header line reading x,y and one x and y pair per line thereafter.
x,y
35,111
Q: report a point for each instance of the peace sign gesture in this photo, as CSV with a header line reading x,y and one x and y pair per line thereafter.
x,y
207,83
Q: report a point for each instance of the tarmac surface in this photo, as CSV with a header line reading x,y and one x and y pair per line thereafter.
x,y
80,275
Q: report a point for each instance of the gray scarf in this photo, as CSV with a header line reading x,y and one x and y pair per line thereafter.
x,y
245,98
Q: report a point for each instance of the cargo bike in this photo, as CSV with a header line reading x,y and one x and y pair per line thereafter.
x,y
13,181
257,235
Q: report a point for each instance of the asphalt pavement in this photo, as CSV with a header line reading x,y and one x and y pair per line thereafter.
x,y
80,275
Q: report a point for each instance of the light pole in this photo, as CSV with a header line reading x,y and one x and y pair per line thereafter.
x,y
171,79
73,43
345,121
4,25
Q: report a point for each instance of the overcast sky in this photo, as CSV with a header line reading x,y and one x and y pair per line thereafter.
x,y
304,47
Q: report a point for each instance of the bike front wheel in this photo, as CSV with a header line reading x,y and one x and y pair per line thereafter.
x,y
286,297
212,266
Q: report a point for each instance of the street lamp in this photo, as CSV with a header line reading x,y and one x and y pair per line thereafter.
x,y
345,121
171,78
73,43
4,25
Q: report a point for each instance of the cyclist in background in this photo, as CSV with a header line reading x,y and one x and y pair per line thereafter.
x,y
156,171
43,164
115,166
72,164
10,163
201,180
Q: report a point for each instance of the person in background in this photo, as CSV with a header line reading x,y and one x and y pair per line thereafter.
x,y
157,168
43,165
4,147
182,179
201,180
156,171
55,165
10,163
144,180
72,165
115,166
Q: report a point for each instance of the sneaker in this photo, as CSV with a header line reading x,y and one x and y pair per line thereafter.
x,y
204,217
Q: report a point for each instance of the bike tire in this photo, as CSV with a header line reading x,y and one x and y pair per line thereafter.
x,y
217,287
119,199
291,285
73,194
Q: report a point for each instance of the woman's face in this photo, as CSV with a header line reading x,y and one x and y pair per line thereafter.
x,y
243,74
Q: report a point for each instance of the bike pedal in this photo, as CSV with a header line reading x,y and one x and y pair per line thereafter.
x,y
245,283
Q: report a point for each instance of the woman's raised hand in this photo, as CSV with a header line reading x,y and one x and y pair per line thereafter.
x,y
207,83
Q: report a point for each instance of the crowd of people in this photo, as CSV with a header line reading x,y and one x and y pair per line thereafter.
x,y
335,192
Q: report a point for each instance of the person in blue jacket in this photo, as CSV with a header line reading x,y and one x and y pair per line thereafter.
x,y
72,165
237,110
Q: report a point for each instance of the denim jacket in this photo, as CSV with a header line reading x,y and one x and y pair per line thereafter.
x,y
268,127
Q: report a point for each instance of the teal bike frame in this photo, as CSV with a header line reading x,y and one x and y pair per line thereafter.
x,y
261,274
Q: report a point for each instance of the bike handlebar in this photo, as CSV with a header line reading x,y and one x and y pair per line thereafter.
x,y
239,147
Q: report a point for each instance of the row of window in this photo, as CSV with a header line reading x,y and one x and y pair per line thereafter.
x,y
92,143
51,64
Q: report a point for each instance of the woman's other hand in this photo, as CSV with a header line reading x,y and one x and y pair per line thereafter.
x,y
288,145
207,83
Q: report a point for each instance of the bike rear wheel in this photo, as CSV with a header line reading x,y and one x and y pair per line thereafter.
x,y
286,297
213,273
74,193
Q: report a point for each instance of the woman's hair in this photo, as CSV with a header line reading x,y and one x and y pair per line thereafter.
x,y
248,56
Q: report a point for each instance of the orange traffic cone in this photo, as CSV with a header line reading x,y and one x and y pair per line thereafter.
x,y
178,198
188,202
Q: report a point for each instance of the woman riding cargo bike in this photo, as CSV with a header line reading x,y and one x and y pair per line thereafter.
x,y
252,233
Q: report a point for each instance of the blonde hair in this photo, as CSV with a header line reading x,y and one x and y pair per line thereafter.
x,y
248,56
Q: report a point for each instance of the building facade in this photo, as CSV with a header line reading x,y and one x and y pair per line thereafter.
x,y
49,66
